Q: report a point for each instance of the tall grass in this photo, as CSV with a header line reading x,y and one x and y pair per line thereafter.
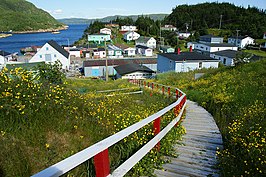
x,y
41,124
236,98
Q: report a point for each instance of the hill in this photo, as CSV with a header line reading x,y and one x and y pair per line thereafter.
x,y
235,96
109,18
20,15
250,21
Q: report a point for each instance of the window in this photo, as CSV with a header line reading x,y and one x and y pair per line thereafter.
x,y
200,64
47,48
40,56
224,62
55,55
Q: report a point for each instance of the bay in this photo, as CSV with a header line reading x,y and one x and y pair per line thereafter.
x,y
17,41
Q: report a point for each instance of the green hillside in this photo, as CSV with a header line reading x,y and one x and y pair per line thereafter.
x,y
235,96
110,18
20,15
250,21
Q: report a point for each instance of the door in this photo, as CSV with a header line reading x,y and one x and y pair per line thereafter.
x,y
95,72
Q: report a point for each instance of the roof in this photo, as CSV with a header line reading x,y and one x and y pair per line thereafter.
x,y
238,37
115,62
187,56
99,34
4,53
210,36
142,47
113,47
58,48
218,44
74,49
132,67
226,53
164,47
143,39
127,33
122,46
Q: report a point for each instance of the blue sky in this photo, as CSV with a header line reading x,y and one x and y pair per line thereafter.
x,y
102,8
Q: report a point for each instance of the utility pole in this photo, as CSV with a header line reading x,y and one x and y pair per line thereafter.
x,y
106,62
191,23
221,17
237,36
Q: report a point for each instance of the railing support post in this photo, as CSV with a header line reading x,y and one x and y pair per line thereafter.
x,y
152,86
148,85
157,129
163,89
169,91
102,165
144,83
176,94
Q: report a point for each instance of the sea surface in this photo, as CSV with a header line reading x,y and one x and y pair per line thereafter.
x,y
17,41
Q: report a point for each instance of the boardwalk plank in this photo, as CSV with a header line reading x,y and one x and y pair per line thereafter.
x,y
197,149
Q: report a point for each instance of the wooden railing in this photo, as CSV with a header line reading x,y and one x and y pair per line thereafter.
x,y
99,151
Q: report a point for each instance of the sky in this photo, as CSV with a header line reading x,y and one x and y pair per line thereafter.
x,y
102,8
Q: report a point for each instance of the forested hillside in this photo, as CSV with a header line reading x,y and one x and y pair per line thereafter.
x,y
20,15
250,21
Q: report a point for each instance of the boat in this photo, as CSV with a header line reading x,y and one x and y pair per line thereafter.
x,y
55,32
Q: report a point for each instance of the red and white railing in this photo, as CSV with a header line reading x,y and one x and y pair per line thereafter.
x,y
99,151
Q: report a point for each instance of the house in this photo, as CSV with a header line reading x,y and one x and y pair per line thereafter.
x,y
167,49
240,41
52,52
99,38
183,35
128,28
191,45
74,52
133,71
264,35
168,28
226,57
106,31
99,53
114,51
97,68
207,48
111,25
131,36
4,58
146,41
211,39
144,50
184,62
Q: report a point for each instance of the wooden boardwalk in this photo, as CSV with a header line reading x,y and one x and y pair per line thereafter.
x,y
197,150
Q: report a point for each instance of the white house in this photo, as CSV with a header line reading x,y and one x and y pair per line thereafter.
x,y
146,41
114,51
50,53
74,52
128,28
183,35
131,36
240,41
4,58
225,57
168,28
145,51
211,39
184,62
130,51
133,71
207,48
264,35
99,38
99,53
106,31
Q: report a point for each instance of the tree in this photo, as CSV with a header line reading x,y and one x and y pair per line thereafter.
x,y
242,58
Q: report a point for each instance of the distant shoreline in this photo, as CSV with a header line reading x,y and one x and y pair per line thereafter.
x,y
4,35
41,30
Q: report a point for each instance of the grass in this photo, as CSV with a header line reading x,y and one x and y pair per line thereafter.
x,y
41,124
235,96
257,52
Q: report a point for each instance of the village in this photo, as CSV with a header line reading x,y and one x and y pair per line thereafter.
x,y
137,57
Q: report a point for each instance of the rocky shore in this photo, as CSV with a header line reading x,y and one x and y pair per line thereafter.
x,y
41,30
4,35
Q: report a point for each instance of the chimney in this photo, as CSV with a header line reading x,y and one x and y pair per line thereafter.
x,y
190,49
178,51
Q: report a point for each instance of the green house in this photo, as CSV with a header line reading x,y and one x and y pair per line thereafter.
x,y
98,38
167,49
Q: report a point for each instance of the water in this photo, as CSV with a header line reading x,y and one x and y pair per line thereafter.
x,y
17,41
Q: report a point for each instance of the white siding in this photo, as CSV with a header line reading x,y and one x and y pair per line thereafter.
x,y
46,53
137,75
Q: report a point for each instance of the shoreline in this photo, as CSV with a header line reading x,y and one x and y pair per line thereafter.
x,y
5,35
41,30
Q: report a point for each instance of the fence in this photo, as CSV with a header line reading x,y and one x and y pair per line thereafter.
x,y
99,151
